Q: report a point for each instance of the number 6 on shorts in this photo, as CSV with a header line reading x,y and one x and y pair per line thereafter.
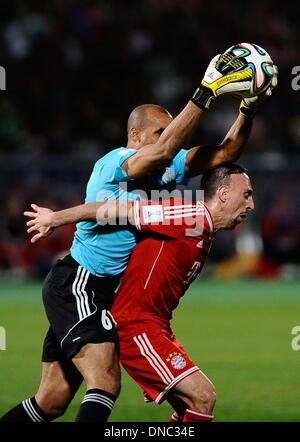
x,y
107,319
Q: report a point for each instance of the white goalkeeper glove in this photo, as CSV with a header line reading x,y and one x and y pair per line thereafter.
x,y
225,74
249,106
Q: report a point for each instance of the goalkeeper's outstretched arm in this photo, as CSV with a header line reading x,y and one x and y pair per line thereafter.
x,y
223,75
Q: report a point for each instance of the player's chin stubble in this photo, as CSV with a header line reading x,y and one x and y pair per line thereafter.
x,y
232,224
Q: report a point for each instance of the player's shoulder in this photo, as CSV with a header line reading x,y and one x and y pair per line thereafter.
x,y
181,154
178,165
157,211
185,208
177,203
119,151
112,155
122,151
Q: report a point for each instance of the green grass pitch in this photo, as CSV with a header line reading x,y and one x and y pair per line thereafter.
x,y
238,332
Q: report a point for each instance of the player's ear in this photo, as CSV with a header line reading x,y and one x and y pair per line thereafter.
x,y
134,135
223,193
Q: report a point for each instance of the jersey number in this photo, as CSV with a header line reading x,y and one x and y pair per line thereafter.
x,y
107,320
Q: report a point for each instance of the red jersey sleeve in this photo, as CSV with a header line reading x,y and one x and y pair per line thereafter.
x,y
172,218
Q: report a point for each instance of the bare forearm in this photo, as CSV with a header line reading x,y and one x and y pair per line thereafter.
x,y
236,138
202,158
172,139
98,211
43,221
175,136
84,212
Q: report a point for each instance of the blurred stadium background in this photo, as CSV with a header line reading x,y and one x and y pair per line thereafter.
x,y
75,69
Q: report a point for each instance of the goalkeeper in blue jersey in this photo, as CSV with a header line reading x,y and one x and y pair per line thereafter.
x,y
78,292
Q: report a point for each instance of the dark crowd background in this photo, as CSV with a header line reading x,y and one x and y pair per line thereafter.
x,y
74,71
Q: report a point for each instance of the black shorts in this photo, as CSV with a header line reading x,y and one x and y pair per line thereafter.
x,y
77,305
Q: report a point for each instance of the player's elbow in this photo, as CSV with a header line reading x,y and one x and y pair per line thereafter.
x,y
226,155
165,150
161,157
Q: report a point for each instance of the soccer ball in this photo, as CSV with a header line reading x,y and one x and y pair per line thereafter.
x,y
261,64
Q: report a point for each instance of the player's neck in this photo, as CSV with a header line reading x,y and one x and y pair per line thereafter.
x,y
216,214
132,145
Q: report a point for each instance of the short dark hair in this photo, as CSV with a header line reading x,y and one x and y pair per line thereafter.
x,y
218,176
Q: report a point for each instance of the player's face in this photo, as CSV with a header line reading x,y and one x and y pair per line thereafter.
x,y
240,199
158,121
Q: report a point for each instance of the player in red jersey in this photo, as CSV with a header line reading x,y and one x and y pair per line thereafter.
x,y
159,273
179,236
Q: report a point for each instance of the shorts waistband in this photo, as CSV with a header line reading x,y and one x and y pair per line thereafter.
x,y
68,259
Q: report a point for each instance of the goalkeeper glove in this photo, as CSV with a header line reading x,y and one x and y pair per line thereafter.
x,y
225,74
249,106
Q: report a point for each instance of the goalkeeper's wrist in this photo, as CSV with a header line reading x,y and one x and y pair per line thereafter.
x,y
53,220
203,97
247,111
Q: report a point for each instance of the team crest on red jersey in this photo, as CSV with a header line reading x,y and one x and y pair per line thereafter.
x,y
177,361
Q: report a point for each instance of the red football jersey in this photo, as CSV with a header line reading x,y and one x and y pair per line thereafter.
x,y
162,266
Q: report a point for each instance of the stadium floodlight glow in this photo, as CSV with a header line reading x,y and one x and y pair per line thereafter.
x,y
2,79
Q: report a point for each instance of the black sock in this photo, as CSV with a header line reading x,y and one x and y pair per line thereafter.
x,y
27,411
96,406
